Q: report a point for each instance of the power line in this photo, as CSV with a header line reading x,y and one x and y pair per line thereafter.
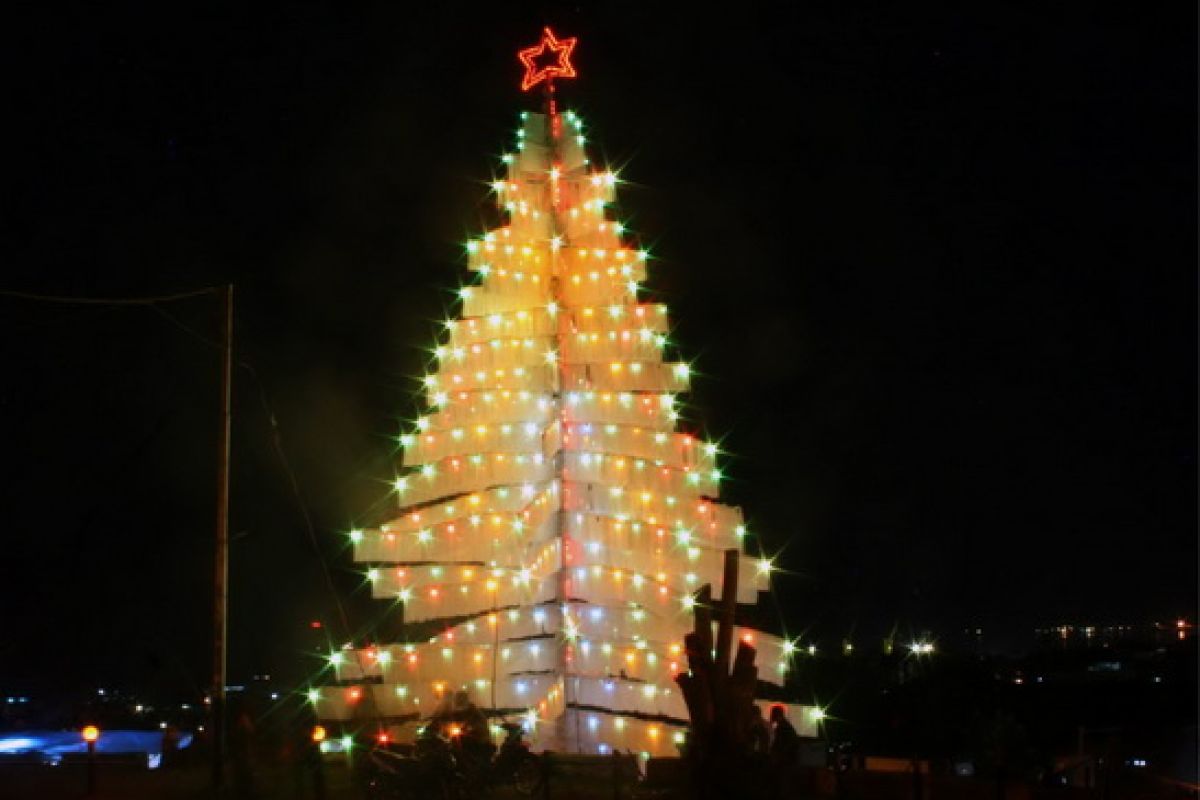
x,y
276,433
288,470
107,301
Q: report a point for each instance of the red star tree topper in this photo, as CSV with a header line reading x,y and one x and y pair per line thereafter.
x,y
538,68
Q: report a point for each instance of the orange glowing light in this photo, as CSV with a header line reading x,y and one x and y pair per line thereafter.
x,y
535,74
318,733
90,733
455,731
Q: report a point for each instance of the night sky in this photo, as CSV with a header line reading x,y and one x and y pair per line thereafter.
x,y
937,273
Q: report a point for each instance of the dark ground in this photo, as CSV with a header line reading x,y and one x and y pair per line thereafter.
x,y
116,782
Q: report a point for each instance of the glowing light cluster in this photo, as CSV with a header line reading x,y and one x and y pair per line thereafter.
x,y
547,496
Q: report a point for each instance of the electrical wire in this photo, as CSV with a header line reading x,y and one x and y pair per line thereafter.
x,y
107,301
276,435
284,461
298,495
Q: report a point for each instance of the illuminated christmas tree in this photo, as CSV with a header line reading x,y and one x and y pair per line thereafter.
x,y
554,523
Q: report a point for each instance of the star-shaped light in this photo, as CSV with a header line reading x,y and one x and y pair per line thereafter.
x,y
535,74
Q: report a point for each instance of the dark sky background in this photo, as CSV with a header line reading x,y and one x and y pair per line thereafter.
x,y
937,273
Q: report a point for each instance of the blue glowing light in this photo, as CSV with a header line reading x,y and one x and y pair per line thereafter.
x,y
51,746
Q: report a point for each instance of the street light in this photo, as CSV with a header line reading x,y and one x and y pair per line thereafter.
x,y
90,734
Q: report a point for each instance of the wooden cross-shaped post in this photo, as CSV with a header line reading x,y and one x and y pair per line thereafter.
x,y
720,701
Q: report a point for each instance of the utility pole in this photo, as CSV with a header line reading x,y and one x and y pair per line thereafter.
x,y
221,561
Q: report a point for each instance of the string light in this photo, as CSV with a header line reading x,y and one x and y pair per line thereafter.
x,y
551,392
